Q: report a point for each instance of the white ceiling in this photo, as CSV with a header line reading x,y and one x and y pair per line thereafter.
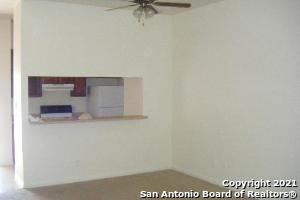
x,y
163,10
6,6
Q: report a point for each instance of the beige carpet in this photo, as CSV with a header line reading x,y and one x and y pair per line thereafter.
x,y
121,188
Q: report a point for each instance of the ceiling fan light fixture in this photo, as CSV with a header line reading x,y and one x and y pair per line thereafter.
x,y
149,11
144,12
138,13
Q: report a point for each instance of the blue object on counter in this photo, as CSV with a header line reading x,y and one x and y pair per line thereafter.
x,y
56,109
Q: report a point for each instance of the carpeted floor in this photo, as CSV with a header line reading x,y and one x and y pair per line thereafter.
x,y
121,188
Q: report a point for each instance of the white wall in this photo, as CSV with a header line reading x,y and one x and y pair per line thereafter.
x,y
74,40
6,157
133,96
238,90
18,128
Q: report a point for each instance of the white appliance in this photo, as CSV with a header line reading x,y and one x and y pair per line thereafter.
x,y
105,101
57,87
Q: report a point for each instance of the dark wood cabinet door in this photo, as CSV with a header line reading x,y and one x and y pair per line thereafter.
x,y
34,87
57,80
79,87
50,80
66,80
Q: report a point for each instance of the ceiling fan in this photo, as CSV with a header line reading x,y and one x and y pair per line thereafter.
x,y
146,8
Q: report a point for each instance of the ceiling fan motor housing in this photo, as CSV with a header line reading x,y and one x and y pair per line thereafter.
x,y
144,2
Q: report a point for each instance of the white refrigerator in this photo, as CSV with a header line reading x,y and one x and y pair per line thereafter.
x,y
105,101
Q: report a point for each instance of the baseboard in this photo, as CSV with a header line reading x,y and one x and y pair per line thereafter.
x,y
90,178
19,181
201,177
204,178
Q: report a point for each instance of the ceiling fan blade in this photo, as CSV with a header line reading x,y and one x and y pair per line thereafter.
x,y
127,6
169,4
154,9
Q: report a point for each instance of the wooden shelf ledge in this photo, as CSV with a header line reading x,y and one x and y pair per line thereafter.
x,y
99,119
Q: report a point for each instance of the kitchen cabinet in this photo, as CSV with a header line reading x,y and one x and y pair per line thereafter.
x,y
35,85
66,80
57,80
79,87
49,80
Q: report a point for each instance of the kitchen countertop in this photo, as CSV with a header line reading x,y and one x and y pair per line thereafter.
x,y
75,119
